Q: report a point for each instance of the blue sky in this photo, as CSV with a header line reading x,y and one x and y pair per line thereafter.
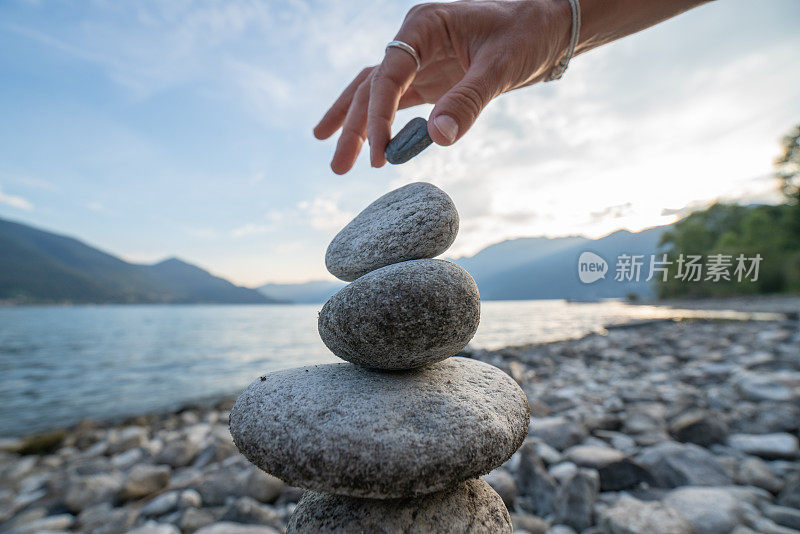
x,y
155,129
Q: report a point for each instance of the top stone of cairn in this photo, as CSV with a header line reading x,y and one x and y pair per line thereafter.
x,y
413,222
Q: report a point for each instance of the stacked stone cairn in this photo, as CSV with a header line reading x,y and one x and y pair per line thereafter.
x,y
395,440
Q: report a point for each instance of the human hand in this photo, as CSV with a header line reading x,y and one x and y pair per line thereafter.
x,y
470,51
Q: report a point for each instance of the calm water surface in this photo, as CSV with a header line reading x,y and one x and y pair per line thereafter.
x,y
62,364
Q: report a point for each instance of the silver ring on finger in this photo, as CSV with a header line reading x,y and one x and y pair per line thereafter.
x,y
406,48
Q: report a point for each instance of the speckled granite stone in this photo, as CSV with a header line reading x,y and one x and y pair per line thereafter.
x,y
348,430
402,316
415,221
470,507
412,139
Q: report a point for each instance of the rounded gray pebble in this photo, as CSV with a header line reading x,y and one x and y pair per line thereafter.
x,y
415,221
469,507
349,430
412,139
402,316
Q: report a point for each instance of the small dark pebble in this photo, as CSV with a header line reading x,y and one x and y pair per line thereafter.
x,y
408,142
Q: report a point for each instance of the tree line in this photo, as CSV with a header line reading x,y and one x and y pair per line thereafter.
x,y
766,234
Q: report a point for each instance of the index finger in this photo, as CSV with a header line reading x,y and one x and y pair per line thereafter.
x,y
389,81
334,117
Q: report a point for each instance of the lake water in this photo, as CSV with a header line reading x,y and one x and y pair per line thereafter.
x,y
62,364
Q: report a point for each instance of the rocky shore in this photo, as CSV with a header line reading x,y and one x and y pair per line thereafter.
x,y
787,305
672,427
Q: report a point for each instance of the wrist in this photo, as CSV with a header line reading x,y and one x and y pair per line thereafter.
x,y
549,22
565,26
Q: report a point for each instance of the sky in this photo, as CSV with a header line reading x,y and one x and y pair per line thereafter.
x,y
156,129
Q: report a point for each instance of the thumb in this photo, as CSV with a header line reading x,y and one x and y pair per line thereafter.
x,y
456,111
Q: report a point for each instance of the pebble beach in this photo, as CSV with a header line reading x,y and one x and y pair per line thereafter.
x,y
664,426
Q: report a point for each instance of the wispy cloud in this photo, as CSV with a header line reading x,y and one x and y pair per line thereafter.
x,y
611,212
200,232
324,214
58,44
266,93
15,201
99,207
251,229
147,47
319,213
29,182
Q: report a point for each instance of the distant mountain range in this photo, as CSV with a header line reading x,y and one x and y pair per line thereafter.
x,y
542,268
42,267
304,293
527,268
500,257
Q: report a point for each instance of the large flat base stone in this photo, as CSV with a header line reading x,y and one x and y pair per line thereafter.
x,y
469,507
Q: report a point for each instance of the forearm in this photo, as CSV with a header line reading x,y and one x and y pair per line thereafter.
x,y
604,21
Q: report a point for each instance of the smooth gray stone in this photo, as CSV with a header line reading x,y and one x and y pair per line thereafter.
x,y
682,464
251,512
709,510
783,515
151,527
227,527
592,456
144,480
531,524
415,221
408,142
83,492
471,506
349,430
756,472
770,446
632,516
574,503
559,432
790,494
162,504
757,388
699,427
537,487
402,316
617,471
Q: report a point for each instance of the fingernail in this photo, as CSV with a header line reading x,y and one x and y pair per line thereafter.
x,y
447,126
